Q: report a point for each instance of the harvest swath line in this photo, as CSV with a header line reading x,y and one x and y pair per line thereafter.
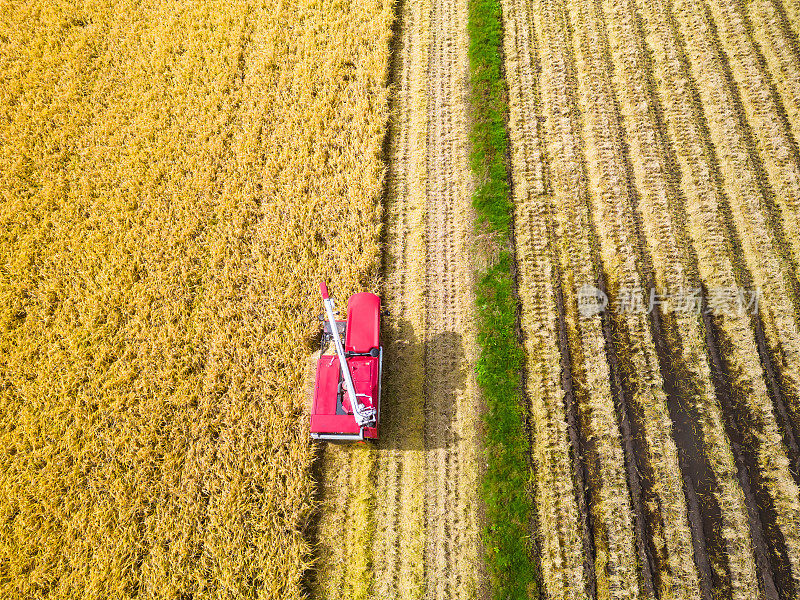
x,y
745,186
778,166
710,230
769,30
676,120
778,60
764,117
578,443
738,330
771,157
609,454
634,452
637,481
776,394
791,19
400,520
641,134
763,564
451,415
610,177
771,552
546,340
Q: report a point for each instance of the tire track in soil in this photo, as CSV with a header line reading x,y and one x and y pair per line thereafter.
x,y
451,415
399,513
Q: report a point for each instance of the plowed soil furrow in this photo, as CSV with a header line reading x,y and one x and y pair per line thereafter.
x,y
720,523
450,407
745,189
617,534
558,479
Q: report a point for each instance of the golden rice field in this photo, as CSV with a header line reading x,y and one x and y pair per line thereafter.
x,y
176,179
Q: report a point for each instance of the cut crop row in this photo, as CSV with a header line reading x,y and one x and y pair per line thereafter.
x,y
399,549
564,543
452,433
714,167
719,523
772,36
791,13
616,224
616,503
345,534
777,163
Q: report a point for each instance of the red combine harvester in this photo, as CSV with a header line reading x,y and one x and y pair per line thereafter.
x,y
347,390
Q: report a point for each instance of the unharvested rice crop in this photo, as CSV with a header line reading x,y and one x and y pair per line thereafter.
x,y
176,178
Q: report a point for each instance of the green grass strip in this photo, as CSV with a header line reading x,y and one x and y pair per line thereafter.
x,y
501,359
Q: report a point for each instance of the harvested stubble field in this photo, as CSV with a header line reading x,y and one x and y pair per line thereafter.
x,y
400,519
176,179
654,147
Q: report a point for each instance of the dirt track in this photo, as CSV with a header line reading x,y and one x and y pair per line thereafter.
x,y
413,497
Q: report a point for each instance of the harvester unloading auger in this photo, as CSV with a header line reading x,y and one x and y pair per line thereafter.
x,y
347,389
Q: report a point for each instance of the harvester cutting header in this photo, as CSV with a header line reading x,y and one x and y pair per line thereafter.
x,y
347,389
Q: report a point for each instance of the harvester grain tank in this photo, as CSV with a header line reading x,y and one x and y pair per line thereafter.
x,y
347,390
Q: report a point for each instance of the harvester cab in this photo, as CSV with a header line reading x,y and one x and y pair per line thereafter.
x,y
347,389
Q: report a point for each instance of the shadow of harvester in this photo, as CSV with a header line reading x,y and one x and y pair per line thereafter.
x,y
421,384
